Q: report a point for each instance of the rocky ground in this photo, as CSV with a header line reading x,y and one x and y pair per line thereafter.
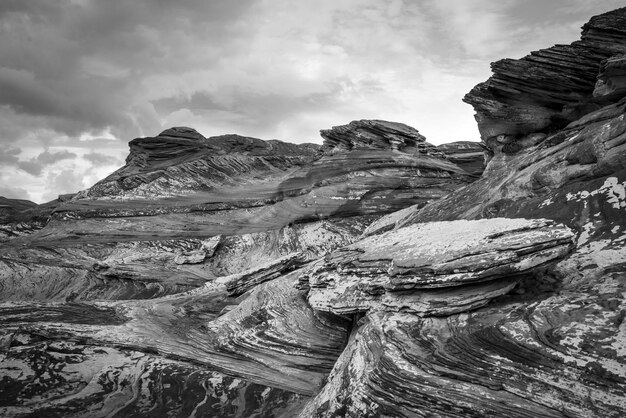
x,y
376,275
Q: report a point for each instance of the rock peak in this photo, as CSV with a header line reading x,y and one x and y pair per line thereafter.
x,y
182,132
374,134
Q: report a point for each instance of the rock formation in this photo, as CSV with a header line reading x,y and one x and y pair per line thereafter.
x,y
544,91
376,275
199,240
464,266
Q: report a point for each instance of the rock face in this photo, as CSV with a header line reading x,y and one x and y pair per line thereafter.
x,y
549,88
611,82
463,265
377,134
470,156
551,346
373,276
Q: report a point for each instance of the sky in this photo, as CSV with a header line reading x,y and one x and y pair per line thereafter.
x,y
81,78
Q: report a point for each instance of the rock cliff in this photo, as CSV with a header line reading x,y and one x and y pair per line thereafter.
x,y
376,275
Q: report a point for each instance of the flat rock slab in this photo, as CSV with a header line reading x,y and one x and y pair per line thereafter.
x,y
437,267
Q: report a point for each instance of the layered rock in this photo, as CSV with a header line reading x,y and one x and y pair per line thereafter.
x,y
468,155
180,185
180,161
232,271
553,345
438,268
20,217
271,337
377,134
193,266
547,89
548,361
71,379
611,82
574,176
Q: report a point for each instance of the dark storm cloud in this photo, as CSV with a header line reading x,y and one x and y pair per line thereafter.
x,y
80,64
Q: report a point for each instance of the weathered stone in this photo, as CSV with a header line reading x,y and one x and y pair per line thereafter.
x,y
437,268
470,156
377,134
547,359
272,337
611,84
92,381
549,88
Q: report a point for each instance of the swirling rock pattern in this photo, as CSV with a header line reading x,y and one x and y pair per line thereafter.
x,y
377,134
272,337
549,358
74,380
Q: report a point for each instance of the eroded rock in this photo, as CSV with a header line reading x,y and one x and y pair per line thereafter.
x,y
544,91
437,268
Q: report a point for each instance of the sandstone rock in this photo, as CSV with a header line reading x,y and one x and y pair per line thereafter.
x,y
470,156
545,90
20,217
272,337
185,187
426,268
468,301
97,381
570,173
545,359
377,134
180,161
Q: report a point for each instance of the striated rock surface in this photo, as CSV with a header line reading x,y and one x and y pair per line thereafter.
x,y
547,89
553,345
70,379
180,161
22,217
271,337
377,134
501,361
181,186
186,261
438,268
231,276
468,155
611,82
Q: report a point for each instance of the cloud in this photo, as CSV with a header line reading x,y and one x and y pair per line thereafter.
x,y
35,165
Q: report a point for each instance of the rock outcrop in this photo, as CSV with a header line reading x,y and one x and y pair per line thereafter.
x,y
459,266
553,345
544,91
377,134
